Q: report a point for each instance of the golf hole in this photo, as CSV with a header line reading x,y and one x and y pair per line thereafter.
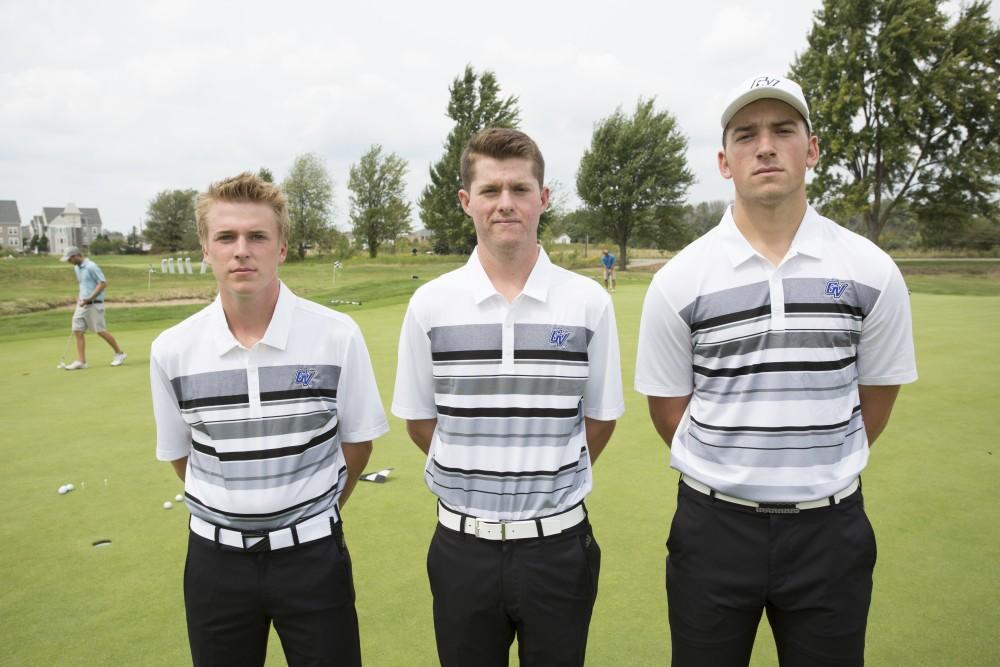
x,y
102,543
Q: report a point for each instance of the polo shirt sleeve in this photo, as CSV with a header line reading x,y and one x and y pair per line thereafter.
x,y
413,397
602,396
96,273
885,351
664,360
359,408
173,434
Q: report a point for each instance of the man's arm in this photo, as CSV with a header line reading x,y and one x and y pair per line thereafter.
x,y
356,455
598,434
421,432
666,413
876,406
180,467
93,295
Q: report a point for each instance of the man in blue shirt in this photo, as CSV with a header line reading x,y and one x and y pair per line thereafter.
x,y
89,313
608,261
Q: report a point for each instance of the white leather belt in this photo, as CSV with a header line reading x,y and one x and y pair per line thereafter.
x,y
311,529
511,530
774,508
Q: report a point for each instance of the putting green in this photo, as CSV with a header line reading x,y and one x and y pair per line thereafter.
x,y
930,491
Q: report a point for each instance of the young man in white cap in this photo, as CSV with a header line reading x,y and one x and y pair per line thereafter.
x,y
509,380
89,313
266,406
771,350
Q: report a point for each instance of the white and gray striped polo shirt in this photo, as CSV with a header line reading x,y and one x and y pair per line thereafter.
x,y
510,385
773,357
262,427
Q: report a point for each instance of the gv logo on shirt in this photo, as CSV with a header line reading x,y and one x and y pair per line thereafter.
x,y
304,376
835,288
559,336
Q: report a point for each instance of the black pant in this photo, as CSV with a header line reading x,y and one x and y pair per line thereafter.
x,y
543,589
811,572
232,596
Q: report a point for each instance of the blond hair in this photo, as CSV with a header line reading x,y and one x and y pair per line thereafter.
x,y
244,188
501,143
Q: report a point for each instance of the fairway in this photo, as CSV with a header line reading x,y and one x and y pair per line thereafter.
x,y
930,491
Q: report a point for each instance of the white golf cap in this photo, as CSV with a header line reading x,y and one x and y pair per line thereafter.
x,y
766,86
69,252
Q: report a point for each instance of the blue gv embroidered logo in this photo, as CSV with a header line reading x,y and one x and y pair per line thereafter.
x,y
835,288
559,337
304,377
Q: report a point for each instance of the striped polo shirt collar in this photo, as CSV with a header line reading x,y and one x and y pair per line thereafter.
x,y
536,287
808,238
277,332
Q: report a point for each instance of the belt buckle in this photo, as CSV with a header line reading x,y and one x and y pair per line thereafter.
x,y
777,508
502,524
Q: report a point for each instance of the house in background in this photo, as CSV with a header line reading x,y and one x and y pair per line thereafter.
x,y
10,225
70,226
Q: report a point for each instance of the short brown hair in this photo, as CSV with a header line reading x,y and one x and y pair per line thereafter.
x,y
244,188
501,143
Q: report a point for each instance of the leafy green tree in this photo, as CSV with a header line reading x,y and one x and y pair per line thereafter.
x,y
634,176
905,103
475,103
133,243
265,175
43,244
103,245
701,217
379,210
309,189
33,243
170,221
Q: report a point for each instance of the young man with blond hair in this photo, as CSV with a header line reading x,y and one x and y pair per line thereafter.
x,y
771,350
266,406
509,381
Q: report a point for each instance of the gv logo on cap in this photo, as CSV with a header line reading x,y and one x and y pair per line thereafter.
x,y
763,81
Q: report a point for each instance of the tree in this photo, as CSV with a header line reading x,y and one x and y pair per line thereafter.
x,y
43,244
309,189
265,175
103,245
905,102
379,210
475,104
634,175
703,216
170,221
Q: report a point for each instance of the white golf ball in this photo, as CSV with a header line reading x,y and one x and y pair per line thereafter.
x,y
70,487
178,497
63,490
167,505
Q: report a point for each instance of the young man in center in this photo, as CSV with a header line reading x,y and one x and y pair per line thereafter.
x,y
266,406
772,350
509,380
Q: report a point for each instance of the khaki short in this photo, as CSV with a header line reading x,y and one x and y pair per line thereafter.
x,y
89,317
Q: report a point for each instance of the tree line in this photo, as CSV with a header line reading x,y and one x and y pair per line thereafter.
x,y
903,98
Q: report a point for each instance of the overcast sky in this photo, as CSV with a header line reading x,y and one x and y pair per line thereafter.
x,y
104,104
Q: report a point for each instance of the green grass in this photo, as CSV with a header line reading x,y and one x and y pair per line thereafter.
x,y
930,491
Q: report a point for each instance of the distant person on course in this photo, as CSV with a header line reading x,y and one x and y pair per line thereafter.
x,y
608,262
771,350
89,313
266,406
510,382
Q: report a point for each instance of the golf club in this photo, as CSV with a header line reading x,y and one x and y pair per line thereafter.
x,y
62,359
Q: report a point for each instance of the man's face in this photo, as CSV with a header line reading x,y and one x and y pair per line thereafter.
x,y
505,202
243,246
76,260
767,152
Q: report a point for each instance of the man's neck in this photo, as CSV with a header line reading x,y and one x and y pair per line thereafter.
x,y
249,317
770,229
508,272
